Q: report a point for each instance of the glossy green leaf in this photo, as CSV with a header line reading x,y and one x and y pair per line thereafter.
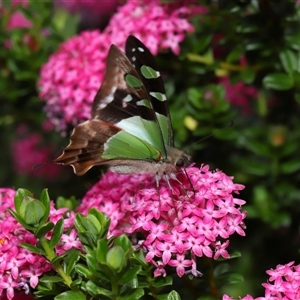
x,y
32,248
278,81
42,230
130,275
45,199
50,279
20,195
289,60
57,233
32,211
116,258
72,258
133,294
82,270
103,220
161,281
173,295
102,250
96,290
124,242
70,295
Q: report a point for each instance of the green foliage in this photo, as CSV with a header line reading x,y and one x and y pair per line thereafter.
x,y
107,268
255,43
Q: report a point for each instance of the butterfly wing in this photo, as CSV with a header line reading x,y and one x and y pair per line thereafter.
x,y
125,125
144,63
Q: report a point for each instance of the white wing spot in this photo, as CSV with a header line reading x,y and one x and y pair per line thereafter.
x,y
109,98
133,49
133,58
141,49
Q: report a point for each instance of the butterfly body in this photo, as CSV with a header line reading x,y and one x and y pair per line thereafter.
x,y
130,129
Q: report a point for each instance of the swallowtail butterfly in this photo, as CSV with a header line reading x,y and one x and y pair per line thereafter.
x,y
130,129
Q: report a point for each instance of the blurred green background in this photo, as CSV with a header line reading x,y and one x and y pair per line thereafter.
x,y
240,65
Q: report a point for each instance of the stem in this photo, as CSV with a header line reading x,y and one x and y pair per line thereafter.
x,y
50,255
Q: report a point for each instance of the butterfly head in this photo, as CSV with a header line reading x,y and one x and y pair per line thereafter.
x,y
179,159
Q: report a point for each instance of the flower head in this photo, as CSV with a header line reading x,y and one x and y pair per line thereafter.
x,y
19,268
29,151
71,77
284,283
177,225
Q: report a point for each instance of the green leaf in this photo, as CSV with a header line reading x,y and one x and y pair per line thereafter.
x,y
116,258
51,279
124,242
288,60
20,194
72,259
96,290
297,97
102,250
234,278
32,211
57,233
248,75
42,230
173,295
290,166
20,220
278,81
45,199
259,148
133,294
129,275
82,270
33,249
161,281
70,295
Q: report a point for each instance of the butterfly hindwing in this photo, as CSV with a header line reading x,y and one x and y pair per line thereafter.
x,y
130,129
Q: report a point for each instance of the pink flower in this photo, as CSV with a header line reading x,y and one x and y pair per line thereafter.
x,y
93,13
158,26
72,76
28,151
239,94
176,225
284,283
20,269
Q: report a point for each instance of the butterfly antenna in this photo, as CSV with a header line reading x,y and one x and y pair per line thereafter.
x,y
35,167
210,135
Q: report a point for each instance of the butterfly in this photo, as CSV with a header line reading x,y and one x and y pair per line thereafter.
x,y
131,129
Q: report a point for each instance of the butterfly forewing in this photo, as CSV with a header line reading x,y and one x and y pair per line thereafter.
x,y
123,100
145,65
130,128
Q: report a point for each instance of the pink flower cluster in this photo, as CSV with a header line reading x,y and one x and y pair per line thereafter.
x,y
239,94
89,6
19,268
284,284
194,219
28,152
158,26
71,77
